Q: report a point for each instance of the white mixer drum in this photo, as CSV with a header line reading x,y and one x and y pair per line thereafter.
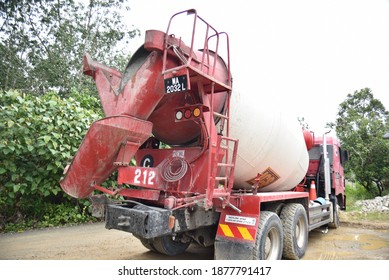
x,y
271,144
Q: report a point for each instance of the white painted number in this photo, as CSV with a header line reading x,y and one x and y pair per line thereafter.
x,y
137,175
147,177
151,178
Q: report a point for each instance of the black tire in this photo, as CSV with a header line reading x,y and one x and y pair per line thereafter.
x,y
295,224
167,246
268,242
275,207
335,212
148,244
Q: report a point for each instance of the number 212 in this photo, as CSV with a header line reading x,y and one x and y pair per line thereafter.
x,y
147,178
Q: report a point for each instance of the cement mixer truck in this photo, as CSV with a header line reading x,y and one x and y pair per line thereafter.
x,y
188,168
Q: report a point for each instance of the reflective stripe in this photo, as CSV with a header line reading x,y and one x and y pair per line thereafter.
x,y
245,233
226,230
236,232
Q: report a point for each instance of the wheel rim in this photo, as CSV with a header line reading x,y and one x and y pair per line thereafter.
x,y
300,232
272,245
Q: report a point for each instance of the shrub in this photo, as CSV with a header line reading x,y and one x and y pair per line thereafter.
x,y
53,215
38,136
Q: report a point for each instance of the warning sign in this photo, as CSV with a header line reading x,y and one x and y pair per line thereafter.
x,y
265,178
248,221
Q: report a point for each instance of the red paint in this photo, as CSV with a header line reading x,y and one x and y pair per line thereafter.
x,y
93,162
334,150
309,138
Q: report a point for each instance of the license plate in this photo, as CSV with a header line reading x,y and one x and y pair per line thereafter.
x,y
176,84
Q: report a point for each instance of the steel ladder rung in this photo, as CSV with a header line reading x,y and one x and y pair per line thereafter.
x,y
220,115
221,178
225,164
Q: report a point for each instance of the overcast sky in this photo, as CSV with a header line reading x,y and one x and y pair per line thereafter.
x,y
302,55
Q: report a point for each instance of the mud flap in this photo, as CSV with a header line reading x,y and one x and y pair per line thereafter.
x,y
226,249
98,151
236,236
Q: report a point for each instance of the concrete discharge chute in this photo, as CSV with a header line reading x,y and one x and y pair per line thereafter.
x,y
94,160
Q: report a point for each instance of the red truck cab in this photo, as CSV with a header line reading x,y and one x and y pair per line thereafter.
x,y
337,158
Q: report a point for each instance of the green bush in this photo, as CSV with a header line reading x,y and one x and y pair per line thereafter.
x,y
53,215
357,192
38,136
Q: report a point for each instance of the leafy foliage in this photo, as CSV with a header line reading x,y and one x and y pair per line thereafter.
x,y
43,42
54,215
303,123
42,47
361,124
38,136
356,192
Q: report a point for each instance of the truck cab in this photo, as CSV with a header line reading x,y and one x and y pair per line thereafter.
x,y
337,158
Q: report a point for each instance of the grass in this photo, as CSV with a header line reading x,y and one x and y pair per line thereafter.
x,y
365,216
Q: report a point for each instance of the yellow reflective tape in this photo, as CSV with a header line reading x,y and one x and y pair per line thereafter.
x,y
226,230
245,233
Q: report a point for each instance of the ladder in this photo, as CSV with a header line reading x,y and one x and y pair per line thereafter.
x,y
201,71
191,64
222,164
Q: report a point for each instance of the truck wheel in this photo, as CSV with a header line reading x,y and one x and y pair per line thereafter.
x,y
268,243
336,222
295,224
167,246
147,243
275,207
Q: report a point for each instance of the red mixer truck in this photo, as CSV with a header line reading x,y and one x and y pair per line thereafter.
x,y
212,165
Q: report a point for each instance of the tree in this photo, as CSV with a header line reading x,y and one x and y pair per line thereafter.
x,y
43,42
303,123
361,124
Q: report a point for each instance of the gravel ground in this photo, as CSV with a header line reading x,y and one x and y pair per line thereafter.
x,y
355,241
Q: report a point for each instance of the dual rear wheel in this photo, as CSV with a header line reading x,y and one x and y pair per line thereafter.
x,y
280,236
165,245
284,235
